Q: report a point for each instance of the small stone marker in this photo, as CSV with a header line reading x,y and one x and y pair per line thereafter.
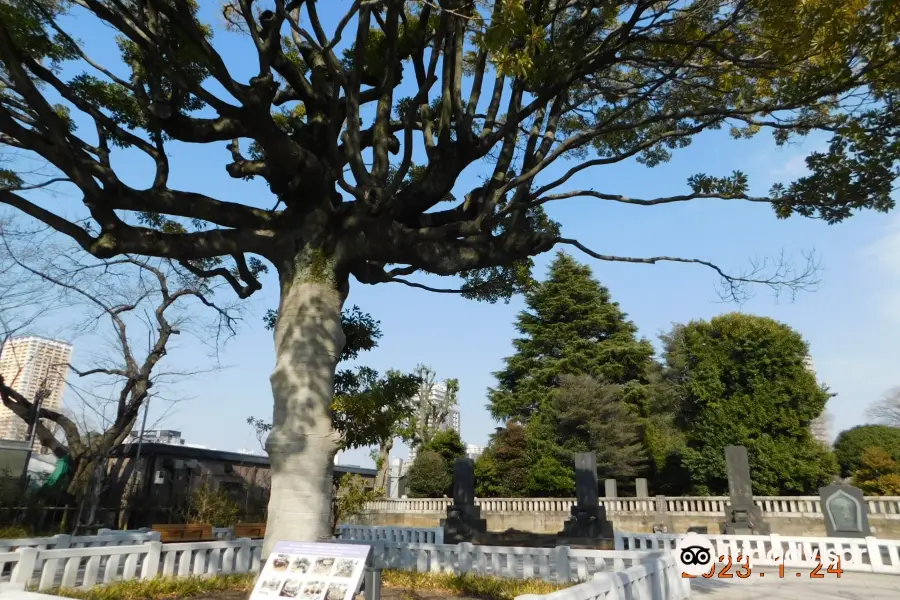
x,y
588,517
463,516
641,489
610,488
742,515
846,511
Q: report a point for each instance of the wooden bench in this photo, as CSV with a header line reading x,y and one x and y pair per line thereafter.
x,y
184,533
249,530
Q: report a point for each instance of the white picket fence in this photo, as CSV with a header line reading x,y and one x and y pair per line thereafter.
x,y
104,539
560,564
869,554
650,577
85,567
412,535
656,578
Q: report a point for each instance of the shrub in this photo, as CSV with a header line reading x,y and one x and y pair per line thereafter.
x,y
13,531
211,505
429,476
349,498
878,473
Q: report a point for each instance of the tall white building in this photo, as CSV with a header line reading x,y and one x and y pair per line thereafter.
x,y
473,451
28,364
820,427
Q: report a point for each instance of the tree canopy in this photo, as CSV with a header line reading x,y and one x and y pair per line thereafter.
x,y
851,444
439,85
743,379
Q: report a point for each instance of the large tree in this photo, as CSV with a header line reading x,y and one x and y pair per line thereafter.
x,y
570,326
743,379
367,409
439,85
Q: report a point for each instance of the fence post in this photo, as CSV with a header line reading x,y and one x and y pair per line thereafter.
x,y
875,556
61,541
619,541
242,562
438,535
465,557
151,561
563,566
24,569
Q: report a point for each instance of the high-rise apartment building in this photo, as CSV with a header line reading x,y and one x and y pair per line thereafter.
x,y
820,427
28,364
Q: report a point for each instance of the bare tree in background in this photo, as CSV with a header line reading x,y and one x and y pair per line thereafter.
x,y
431,407
887,410
139,304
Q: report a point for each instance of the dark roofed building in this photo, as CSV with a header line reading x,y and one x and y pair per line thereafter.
x,y
168,474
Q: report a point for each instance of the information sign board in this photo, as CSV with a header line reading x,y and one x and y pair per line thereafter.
x,y
311,571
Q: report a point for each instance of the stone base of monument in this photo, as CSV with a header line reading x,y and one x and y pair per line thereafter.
x,y
462,524
588,523
741,522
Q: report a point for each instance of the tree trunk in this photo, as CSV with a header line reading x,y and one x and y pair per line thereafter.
x,y
303,442
384,464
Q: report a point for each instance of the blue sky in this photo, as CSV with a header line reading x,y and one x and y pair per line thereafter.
x,y
852,321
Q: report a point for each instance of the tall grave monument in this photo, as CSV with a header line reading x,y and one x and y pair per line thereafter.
x,y
742,515
463,516
588,517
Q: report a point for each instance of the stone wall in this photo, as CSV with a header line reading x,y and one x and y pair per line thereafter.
x,y
552,522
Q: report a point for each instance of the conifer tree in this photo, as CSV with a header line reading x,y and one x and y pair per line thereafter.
x,y
571,326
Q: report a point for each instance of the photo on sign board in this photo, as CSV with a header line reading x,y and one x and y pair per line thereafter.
x,y
345,567
323,566
280,562
336,591
300,565
291,588
269,586
313,590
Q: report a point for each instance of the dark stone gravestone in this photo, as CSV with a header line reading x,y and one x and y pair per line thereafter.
x,y
588,517
846,511
742,515
463,516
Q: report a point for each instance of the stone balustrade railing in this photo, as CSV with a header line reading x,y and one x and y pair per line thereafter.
x,y
771,506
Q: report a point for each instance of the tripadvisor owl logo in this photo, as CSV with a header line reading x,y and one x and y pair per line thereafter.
x,y
694,554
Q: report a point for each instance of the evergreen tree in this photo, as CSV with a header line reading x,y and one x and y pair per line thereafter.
x,y
571,327
743,380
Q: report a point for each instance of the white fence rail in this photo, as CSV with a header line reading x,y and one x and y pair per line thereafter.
x,y
656,578
887,507
412,535
560,564
83,568
104,539
857,554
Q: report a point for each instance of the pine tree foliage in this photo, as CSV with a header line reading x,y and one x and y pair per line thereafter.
x,y
571,326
